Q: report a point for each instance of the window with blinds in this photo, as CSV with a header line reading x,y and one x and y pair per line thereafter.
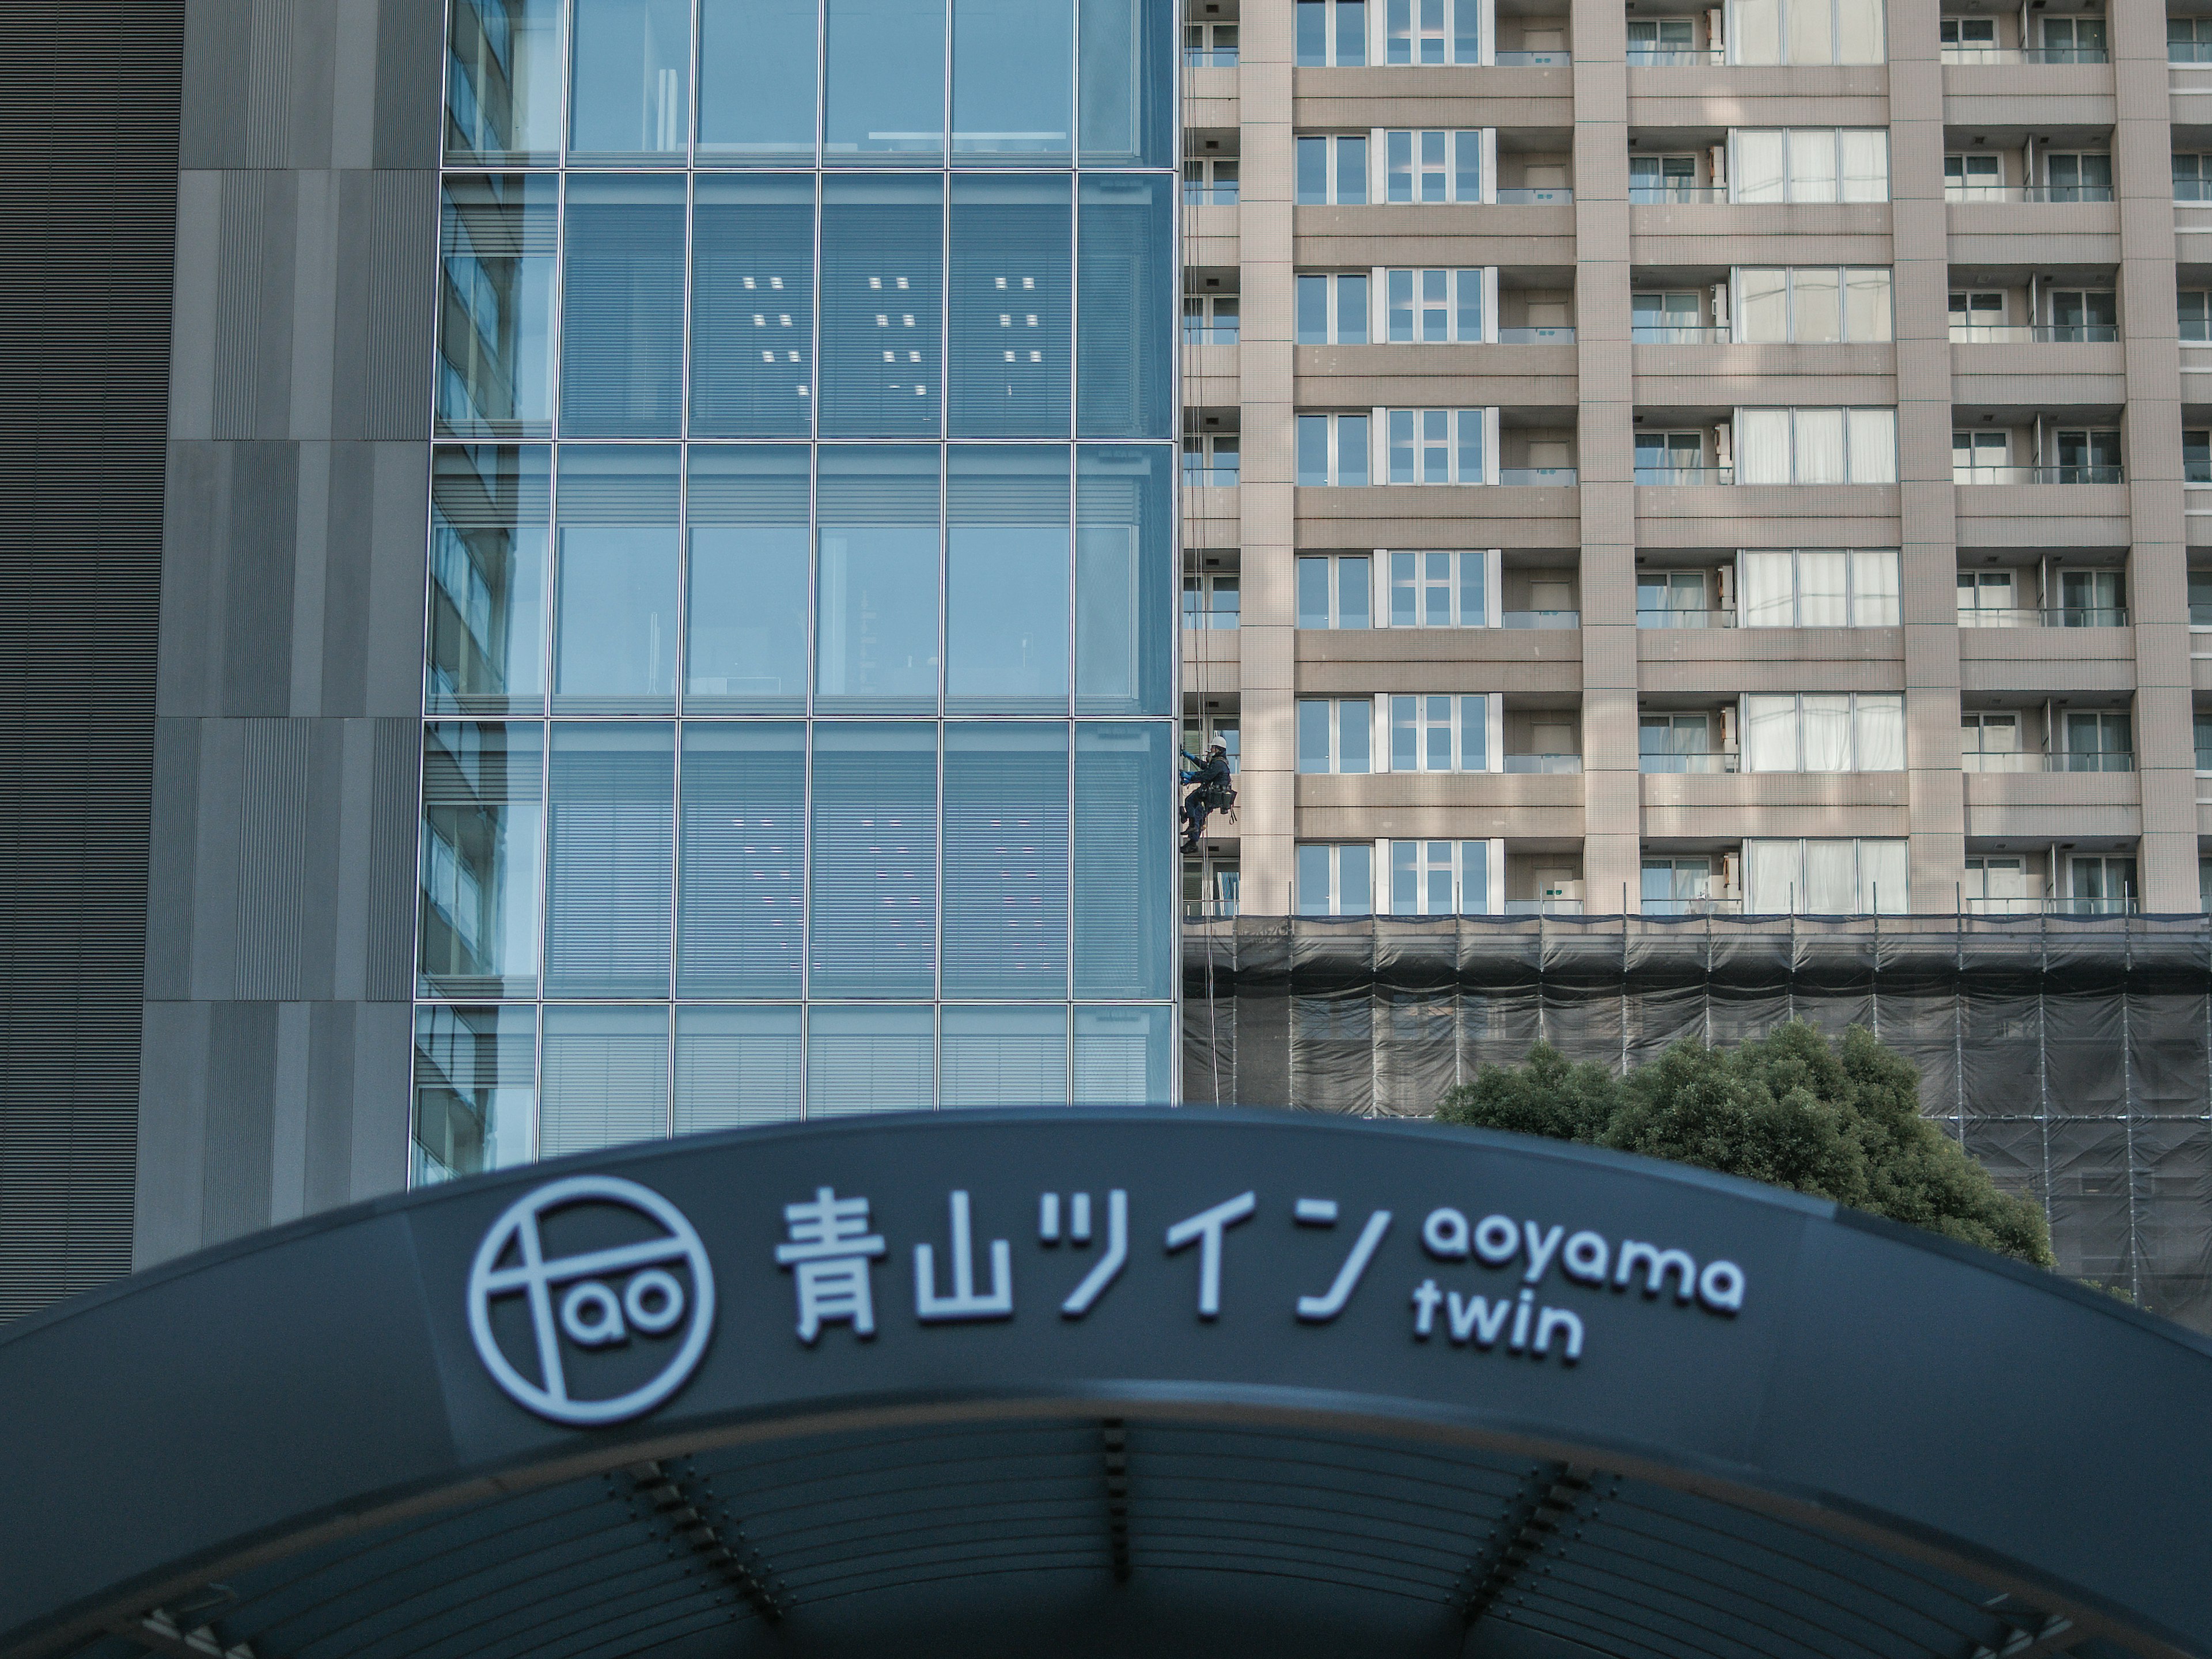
x,y
486,650
1122,1055
883,306
482,810
1124,792
475,1091
498,240
752,307
1004,1057
874,878
882,1058
876,587
1006,559
1005,860
604,1079
609,845
615,629
741,914
1011,255
745,607
1124,575
735,1067
1126,357
622,295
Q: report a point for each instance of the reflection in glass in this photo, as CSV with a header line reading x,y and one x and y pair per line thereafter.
x,y
1124,356
475,1091
757,80
1012,80
503,81
1123,1055
752,307
622,357
734,1067
1127,96
478,903
884,89
615,649
632,80
498,237
1005,860
874,877
1009,294
609,860
882,244
1005,1057
606,1079
1124,579
1124,852
740,918
877,1059
1005,579
488,508
745,609
876,610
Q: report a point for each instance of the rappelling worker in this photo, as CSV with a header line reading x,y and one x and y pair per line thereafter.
x,y
1209,792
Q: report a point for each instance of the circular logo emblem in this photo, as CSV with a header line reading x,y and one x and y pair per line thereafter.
x,y
594,1299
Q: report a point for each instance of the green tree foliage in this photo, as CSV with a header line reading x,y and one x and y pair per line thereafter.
x,y
1839,1122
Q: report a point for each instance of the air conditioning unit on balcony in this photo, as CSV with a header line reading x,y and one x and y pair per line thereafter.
x,y
1728,728
1564,890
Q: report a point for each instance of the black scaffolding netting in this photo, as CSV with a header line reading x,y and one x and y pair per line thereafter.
x,y
2073,1057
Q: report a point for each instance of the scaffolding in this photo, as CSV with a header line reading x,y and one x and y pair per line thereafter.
x,y
2072,1056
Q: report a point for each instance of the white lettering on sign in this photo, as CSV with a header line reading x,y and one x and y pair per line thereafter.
x,y
829,1254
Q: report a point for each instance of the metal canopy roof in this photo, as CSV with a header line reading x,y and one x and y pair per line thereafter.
x,y
295,1448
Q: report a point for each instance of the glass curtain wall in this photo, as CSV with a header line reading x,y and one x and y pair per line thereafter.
x,y
799,671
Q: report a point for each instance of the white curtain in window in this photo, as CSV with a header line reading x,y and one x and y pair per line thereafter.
x,y
1761,164
1762,446
1807,28
1816,315
1821,599
1873,589
1874,444
1858,31
1885,882
1769,734
1763,307
1773,872
1878,734
1813,164
1866,303
1754,31
1766,592
1831,886
1820,446
1866,164
1827,718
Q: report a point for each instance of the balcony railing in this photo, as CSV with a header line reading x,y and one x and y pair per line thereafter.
x,y
1685,475
2200,616
2025,55
1536,195
1552,475
1535,336
1533,59
1217,477
2020,475
1209,333
2017,762
2192,190
1209,57
1676,334
1209,616
1958,192
1546,764
2188,52
2035,333
1645,55
2195,471
1555,907
1220,909
1665,617
2063,615
1643,195
1540,619
1714,762
2093,907
1692,907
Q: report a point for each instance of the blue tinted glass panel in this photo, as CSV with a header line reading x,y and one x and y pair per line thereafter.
x,y
503,81
756,81
622,361
1125,358
884,102
1125,579
1125,868
1127,92
605,1078
1013,80
475,1091
740,917
481,813
632,80
609,843
882,244
874,879
735,1067
1005,860
1124,1056
745,609
752,307
876,580
489,508
614,644
1005,581
1011,248
498,238
870,1059
1005,1057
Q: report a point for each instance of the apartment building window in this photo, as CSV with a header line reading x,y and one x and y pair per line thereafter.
x,y
1210,319
2099,886
1786,875
1982,456
2073,41
2077,178
2097,740
1336,734
1810,164
1333,309
1209,45
2188,40
1332,33
1336,590
2192,178
2085,455
1199,736
1673,458
1333,449
2203,723
1336,879
1976,314
1442,877
1967,39
1816,445
1209,459
1437,589
1430,164
1209,181
1990,742
1664,179
2200,599
1679,886
1820,588
1435,445
2197,458
1823,731
1815,305
2193,308
1678,743
1331,170
1209,601
1805,32
1671,598
2084,315
1663,40
1431,307
1432,31
2092,598
1667,316
1434,732
1973,178
1985,599
1996,884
